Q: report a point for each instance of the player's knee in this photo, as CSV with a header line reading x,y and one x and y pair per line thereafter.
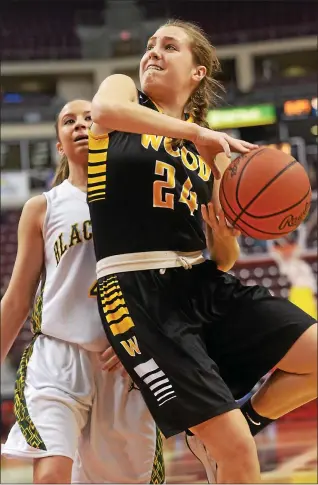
x,y
243,450
230,441
52,470
240,451
50,476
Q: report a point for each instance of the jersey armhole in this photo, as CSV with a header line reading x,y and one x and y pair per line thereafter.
x,y
47,214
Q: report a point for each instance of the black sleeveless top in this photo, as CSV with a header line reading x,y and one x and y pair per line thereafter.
x,y
144,194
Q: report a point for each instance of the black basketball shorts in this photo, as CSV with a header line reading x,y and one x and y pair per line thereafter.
x,y
195,340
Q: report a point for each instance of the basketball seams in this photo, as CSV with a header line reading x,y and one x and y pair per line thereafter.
x,y
244,231
237,226
267,216
227,202
268,184
226,214
241,175
263,232
236,216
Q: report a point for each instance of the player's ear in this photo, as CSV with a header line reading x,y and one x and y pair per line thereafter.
x,y
59,148
199,73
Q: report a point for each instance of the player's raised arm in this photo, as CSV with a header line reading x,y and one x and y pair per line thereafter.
x,y
18,298
115,107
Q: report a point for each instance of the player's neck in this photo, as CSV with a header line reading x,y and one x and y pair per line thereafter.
x,y
173,111
78,178
173,107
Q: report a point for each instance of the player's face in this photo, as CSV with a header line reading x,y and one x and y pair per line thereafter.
x,y
73,123
168,63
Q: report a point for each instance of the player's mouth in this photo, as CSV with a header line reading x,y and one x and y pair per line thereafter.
x,y
81,139
153,67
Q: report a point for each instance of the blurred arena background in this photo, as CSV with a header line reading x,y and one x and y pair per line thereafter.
x,y
53,51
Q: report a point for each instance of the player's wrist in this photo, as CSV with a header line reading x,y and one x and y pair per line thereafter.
x,y
193,132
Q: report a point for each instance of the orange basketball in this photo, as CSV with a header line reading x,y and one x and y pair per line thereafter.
x,y
265,193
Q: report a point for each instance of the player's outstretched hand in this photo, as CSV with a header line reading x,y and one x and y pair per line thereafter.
x,y
209,143
215,218
110,362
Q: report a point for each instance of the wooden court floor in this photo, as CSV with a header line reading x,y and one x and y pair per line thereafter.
x,y
287,453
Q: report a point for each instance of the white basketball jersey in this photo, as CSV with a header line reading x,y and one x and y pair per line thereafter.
x,y
66,304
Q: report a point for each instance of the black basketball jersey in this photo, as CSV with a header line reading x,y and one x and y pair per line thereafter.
x,y
145,194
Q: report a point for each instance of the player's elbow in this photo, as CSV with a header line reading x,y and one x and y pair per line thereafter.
x,y
104,113
100,110
226,266
17,306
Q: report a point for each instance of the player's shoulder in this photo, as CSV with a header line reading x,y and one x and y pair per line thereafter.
x,y
36,203
34,209
57,191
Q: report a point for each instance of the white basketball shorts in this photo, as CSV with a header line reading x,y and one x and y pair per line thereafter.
x,y
66,406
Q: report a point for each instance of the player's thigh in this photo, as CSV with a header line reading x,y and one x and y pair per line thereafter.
x,y
121,443
301,358
255,336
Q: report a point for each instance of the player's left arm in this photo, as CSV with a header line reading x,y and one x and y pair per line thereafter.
x,y
221,239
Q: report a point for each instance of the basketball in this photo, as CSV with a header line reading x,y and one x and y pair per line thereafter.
x,y
265,193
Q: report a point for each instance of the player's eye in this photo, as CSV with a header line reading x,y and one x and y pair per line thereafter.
x,y
69,121
88,118
171,46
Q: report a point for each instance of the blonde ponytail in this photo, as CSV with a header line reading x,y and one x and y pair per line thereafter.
x,y
62,172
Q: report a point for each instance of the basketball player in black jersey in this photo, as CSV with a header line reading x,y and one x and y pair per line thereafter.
x,y
191,336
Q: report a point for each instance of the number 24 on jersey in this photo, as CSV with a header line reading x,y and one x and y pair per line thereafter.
x,y
165,199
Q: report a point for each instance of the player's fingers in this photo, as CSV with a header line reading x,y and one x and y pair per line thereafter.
x,y
111,366
251,146
107,354
224,224
123,372
216,172
214,168
116,366
226,147
236,232
204,212
212,214
110,363
239,146
245,144
221,217
209,216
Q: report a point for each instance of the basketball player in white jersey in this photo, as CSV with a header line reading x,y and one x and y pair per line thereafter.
x,y
66,407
